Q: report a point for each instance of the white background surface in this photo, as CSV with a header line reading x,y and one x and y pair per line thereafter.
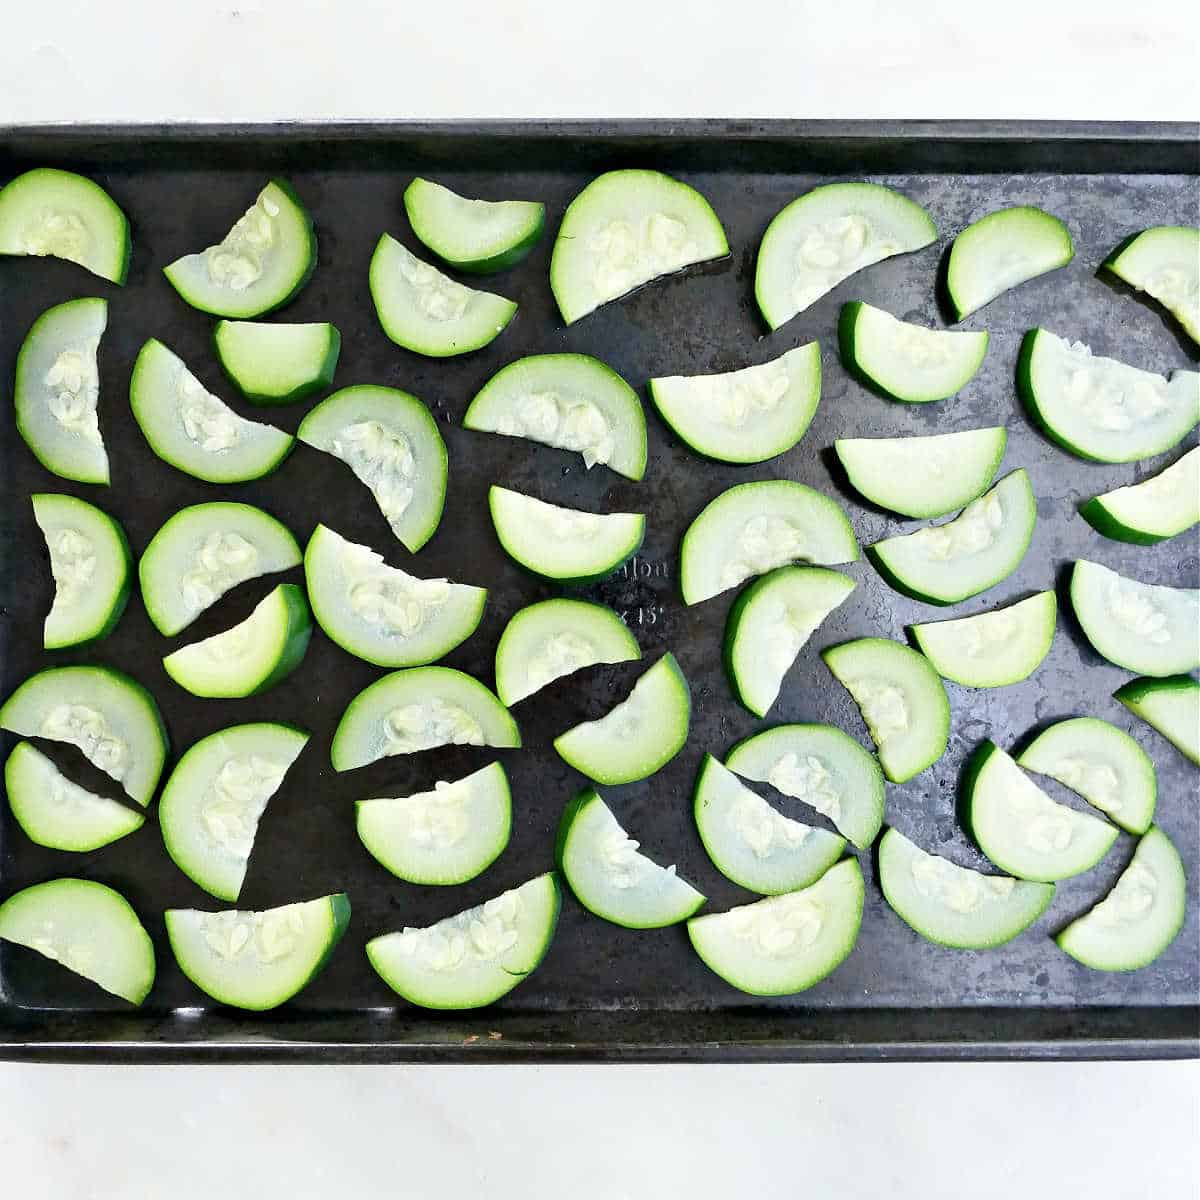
x,y
927,1131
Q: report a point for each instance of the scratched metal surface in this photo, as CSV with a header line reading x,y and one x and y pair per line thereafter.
x,y
600,986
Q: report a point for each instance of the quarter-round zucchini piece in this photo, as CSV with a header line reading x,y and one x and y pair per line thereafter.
x,y
111,719
58,213
601,863
381,613
822,766
391,442
420,709
194,431
786,943
475,957
278,363
57,389
478,236
624,229
260,264
1161,507
428,312
639,735
904,361
545,641
1171,705
991,649
1164,262
744,416
1021,829
89,928
257,960
827,235
955,906
983,545
251,656
90,562
1099,408
753,528
53,811
769,624
563,544
924,476
1100,762
569,401
1140,917
1002,250
751,843
444,836
203,551
902,701
1142,627
215,797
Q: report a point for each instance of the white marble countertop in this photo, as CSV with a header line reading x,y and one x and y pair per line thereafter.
x,y
599,1133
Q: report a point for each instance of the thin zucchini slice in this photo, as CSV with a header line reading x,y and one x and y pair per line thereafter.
x,y
753,844
391,442
428,312
278,363
478,236
1160,507
752,528
216,796
787,943
1021,829
991,649
1142,627
827,235
90,561
983,545
902,701
610,878
745,416
257,960
194,431
563,544
58,213
260,264
545,641
623,230
381,613
1100,762
420,709
1171,705
57,389
638,736
472,959
55,812
111,719
905,361
769,624
251,656
444,836
569,401
822,766
1164,262
203,551
88,928
924,476
952,905
1140,917
1101,409
1002,250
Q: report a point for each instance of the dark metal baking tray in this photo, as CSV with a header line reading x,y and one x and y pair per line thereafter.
x,y
603,992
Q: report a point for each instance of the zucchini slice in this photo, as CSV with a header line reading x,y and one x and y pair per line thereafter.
x,y
278,363
1160,507
1164,262
1171,706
